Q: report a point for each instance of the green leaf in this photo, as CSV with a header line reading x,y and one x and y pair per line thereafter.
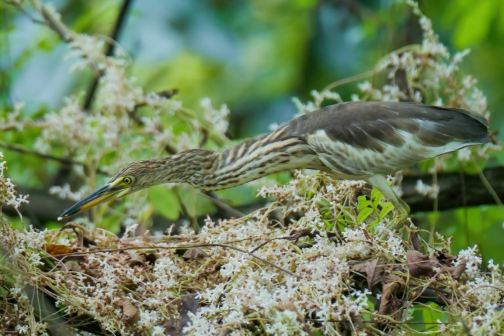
x,y
386,208
376,197
363,202
475,24
165,202
3,292
364,214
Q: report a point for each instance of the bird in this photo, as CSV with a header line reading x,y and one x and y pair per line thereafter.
x,y
361,140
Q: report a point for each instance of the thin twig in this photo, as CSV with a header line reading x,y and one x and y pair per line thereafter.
x,y
74,254
23,150
222,205
55,24
487,184
380,322
348,80
110,49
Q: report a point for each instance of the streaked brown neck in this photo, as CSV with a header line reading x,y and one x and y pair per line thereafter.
x,y
248,161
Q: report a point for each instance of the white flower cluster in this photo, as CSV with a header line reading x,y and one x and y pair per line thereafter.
x,y
8,194
218,118
12,120
431,191
318,99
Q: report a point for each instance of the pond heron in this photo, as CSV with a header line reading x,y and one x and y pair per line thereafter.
x,y
354,140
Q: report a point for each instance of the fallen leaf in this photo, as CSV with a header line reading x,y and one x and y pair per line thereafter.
x,y
358,320
136,260
366,234
414,241
392,283
130,312
374,271
419,264
56,249
195,253
459,269
73,266
188,303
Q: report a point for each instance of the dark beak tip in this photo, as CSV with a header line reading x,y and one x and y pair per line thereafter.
x,y
77,207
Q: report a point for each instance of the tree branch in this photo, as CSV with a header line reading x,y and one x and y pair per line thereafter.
x,y
65,161
455,190
110,49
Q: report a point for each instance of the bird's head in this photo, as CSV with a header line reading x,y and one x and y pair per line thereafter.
x,y
133,177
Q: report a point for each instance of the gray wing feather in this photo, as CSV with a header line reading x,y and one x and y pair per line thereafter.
x,y
372,125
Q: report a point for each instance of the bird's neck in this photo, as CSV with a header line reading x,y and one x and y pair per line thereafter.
x,y
249,160
252,159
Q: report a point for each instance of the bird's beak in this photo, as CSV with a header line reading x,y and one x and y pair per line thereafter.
x,y
108,192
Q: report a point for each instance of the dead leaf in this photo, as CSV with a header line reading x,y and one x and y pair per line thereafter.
x,y
373,269
414,241
56,249
358,320
188,303
392,283
130,312
374,272
195,253
419,264
150,258
73,266
136,260
366,234
295,235
459,269
314,255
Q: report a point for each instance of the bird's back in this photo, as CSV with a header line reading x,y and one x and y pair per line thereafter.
x,y
362,138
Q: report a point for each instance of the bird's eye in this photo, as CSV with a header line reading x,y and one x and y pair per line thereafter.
x,y
127,180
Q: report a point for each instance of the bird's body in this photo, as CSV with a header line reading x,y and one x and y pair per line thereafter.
x,y
357,140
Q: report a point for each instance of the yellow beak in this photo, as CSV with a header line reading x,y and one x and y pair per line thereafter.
x,y
100,195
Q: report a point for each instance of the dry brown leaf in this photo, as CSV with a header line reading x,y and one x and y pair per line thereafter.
x,y
366,234
188,303
314,255
414,241
392,283
73,266
459,269
373,270
56,249
358,320
195,253
136,260
419,264
130,312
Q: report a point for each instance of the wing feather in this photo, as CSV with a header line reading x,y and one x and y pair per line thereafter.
x,y
376,125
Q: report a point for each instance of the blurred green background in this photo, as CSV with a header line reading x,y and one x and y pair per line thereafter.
x,y
254,56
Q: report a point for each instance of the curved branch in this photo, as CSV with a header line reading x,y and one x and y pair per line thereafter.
x,y
455,190
110,49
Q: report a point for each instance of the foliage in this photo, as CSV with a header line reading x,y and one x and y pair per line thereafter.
x,y
314,261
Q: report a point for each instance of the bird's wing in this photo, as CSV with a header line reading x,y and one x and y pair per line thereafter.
x,y
377,125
